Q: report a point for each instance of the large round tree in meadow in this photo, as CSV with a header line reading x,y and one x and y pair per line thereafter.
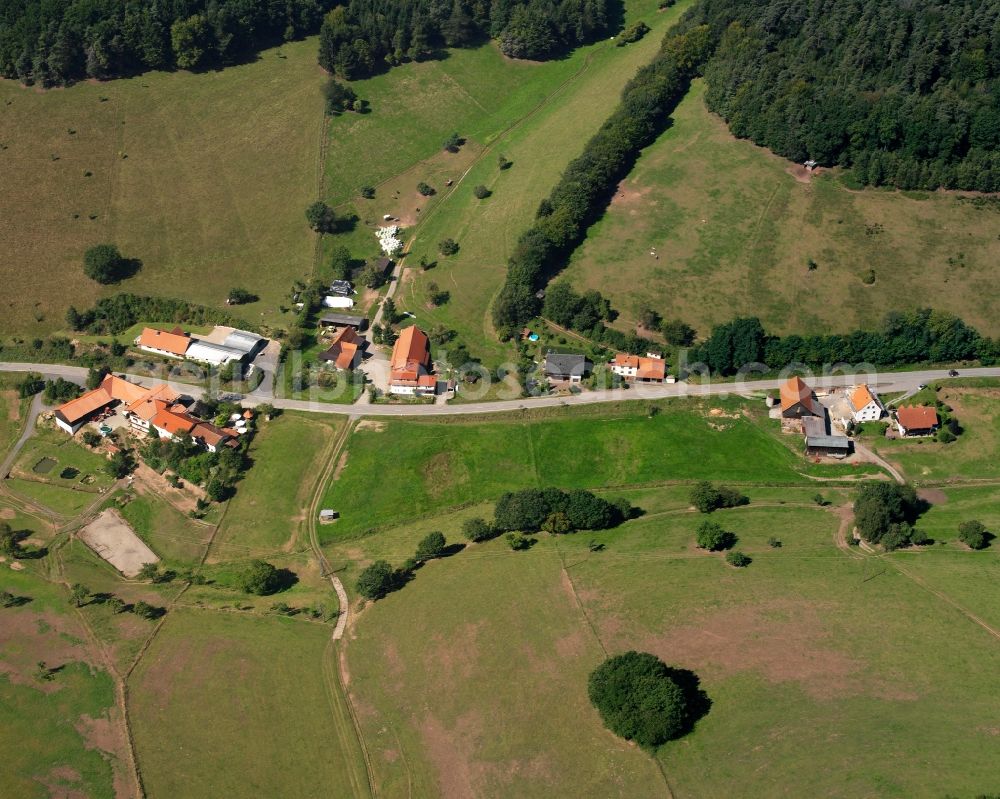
x,y
641,699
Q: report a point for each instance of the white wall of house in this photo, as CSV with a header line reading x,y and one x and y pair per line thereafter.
x,y
872,412
164,353
71,429
625,371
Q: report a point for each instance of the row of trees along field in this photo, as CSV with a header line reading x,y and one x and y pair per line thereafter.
x,y
906,93
586,186
54,43
914,337
362,36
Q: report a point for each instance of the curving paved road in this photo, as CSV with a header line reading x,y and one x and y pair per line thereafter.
x,y
886,382
36,407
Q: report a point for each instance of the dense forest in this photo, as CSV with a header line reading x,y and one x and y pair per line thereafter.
x,y
54,42
907,93
363,36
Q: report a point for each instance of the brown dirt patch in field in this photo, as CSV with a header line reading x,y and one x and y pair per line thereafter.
x,y
27,638
108,736
440,474
17,566
183,499
371,424
783,641
933,495
341,463
628,195
572,646
7,513
13,403
457,657
451,753
801,174
60,782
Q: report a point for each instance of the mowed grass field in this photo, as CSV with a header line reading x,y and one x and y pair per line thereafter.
x,y
423,466
270,501
226,705
829,673
203,177
549,121
734,231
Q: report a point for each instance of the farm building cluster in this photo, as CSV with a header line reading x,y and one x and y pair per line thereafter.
x,y
562,368
234,346
824,422
158,409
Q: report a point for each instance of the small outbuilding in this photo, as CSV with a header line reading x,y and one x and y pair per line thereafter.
x,y
343,320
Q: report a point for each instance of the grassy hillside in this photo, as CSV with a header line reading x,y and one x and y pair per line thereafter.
x,y
203,177
544,139
735,230
819,675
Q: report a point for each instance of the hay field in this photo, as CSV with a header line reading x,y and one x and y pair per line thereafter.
x,y
734,230
203,177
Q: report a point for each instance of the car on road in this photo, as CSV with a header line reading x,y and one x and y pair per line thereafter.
x,y
953,373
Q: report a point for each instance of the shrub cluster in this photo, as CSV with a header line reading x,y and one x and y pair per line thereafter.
x,y
584,188
884,513
555,511
119,312
707,498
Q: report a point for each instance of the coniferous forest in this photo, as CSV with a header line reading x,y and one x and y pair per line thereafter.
x,y
906,93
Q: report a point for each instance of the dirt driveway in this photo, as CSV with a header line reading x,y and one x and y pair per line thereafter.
x,y
110,537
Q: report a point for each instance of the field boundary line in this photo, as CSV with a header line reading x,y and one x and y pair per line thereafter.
x,y
576,597
947,599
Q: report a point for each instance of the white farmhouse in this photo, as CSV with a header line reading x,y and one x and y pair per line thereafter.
x,y
865,405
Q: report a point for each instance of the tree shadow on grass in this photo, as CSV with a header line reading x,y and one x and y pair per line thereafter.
x,y
698,701
451,549
282,580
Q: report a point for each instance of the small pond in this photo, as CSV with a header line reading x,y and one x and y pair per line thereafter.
x,y
44,466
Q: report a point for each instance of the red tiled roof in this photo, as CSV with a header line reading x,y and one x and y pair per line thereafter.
x,y
410,355
174,343
174,423
793,391
111,389
917,417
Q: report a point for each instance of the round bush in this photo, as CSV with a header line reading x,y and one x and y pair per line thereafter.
x,y
638,699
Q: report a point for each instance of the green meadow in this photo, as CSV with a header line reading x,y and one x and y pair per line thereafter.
x,y
707,227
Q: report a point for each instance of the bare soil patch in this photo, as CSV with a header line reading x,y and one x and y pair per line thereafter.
x,y
150,481
451,753
107,735
27,637
933,495
60,782
782,641
13,403
110,536
371,424
627,194
7,513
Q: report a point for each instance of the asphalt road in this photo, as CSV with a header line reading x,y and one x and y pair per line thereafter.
x,y
885,382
